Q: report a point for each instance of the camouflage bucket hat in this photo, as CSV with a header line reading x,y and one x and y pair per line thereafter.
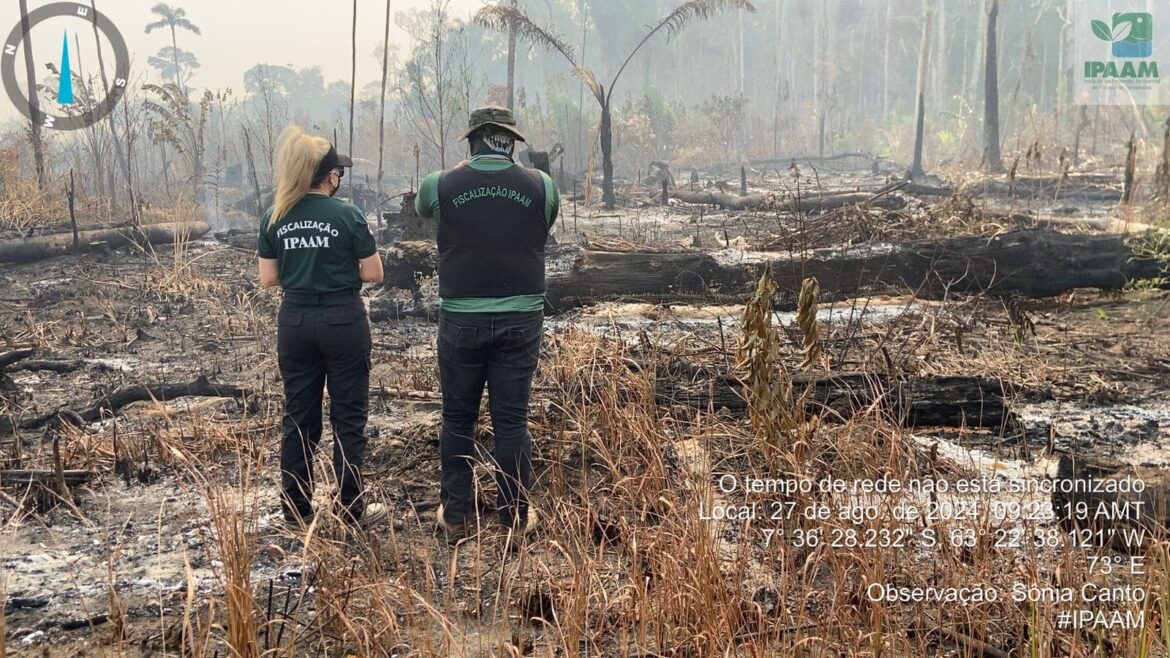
x,y
492,115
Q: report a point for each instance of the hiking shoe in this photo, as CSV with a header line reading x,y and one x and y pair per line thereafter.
x,y
453,531
519,534
297,523
529,523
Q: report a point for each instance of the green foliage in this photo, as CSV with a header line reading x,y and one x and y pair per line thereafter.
x,y
644,130
1152,245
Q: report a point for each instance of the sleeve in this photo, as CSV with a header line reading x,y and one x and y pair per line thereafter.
x,y
426,204
364,244
265,248
552,200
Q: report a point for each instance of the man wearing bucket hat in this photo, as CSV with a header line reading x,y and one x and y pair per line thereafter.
x,y
494,218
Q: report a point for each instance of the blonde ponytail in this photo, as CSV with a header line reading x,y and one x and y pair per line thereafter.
x,y
297,156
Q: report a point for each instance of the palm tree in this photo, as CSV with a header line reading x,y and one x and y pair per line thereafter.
x,y
38,149
502,17
173,18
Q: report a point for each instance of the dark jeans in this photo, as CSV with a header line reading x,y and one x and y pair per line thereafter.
x,y
321,344
500,350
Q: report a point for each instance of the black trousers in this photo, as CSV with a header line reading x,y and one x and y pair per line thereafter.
x,y
323,341
500,350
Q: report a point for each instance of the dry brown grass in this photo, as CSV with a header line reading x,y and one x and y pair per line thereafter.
x,y
25,207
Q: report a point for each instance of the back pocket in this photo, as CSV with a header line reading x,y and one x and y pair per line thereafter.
x,y
290,318
344,316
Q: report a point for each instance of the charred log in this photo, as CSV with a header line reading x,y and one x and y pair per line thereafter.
x,y
47,246
1030,263
789,202
114,402
917,402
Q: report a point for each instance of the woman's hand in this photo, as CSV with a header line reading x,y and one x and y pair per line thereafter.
x,y
269,273
370,269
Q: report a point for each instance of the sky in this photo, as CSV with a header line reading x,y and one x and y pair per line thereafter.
x,y
237,35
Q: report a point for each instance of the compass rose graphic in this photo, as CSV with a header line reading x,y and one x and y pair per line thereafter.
x,y
66,115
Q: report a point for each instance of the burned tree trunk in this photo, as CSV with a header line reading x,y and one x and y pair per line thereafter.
x,y
925,402
1162,175
785,201
39,248
1032,263
33,102
257,197
916,169
112,404
1039,263
607,157
994,161
1129,190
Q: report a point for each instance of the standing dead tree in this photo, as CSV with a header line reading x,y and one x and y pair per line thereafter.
x,y
382,109
252,176
1162,173
916,170
33,104
993,160
429,87
502,17
512,63
353,74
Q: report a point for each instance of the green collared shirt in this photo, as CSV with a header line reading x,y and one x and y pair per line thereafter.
x,y
427,205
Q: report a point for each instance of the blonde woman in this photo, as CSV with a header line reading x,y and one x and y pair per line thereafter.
x,y
320,251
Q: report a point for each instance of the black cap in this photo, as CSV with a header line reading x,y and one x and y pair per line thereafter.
x,y
331,161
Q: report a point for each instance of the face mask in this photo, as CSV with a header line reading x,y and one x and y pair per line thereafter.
x,y
493,143
336,187
500,143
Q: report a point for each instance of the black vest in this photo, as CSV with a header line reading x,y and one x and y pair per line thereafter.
x,y
492,231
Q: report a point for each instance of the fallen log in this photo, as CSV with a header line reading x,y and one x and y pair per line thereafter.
x,y
25,477
113,403
50,365
919,189
1047,187
404,262
916,402
39,248
868,161
13,356
785,201
1032,263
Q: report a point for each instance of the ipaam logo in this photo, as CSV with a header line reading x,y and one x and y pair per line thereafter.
x,y
1132,34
